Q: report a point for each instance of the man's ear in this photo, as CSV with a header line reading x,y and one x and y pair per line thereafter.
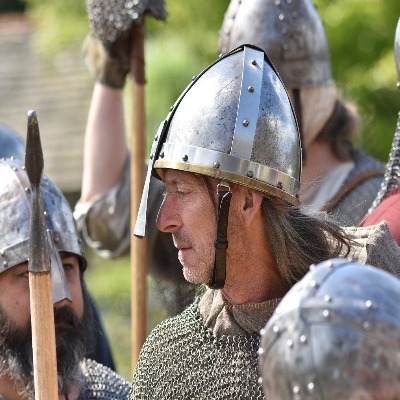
x,y
251,205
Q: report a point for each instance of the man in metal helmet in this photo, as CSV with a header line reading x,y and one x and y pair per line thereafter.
x,y
337,177
229,154
78,376
12,146
335,335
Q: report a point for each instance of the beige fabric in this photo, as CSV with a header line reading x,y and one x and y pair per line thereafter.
x,y
317,104
376,246
316,195
223,318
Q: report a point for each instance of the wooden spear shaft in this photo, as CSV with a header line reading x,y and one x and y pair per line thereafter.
x,y
138,146
40,283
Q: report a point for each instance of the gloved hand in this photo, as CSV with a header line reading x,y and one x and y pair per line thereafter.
x,y
109,65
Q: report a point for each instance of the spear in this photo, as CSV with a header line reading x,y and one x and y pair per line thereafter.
x,y
111,19
41,297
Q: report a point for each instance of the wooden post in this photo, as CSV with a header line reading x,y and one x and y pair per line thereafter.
x,y
138,146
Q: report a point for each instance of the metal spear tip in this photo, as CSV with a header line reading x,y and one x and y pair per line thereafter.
x,y
33,153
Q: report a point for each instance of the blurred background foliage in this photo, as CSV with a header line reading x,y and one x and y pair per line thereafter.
x,y
360,36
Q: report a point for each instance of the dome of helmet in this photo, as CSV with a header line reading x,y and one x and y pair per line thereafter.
x,y
291,33
235,122
334,335
15,196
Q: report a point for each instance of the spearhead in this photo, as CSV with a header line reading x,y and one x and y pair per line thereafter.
x,y
39,259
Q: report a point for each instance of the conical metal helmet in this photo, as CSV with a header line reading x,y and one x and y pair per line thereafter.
x,y
290,31
15,213
335,335
234,122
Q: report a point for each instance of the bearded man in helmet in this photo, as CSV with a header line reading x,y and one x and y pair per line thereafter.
x,y
78,376
337,177
229,154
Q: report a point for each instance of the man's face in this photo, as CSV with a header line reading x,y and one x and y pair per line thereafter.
x,y
72,326
188,212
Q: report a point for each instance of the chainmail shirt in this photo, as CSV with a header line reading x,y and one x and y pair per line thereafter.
x,y
101,383
182,359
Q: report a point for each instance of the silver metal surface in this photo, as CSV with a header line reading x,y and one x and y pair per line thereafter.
x,y
291,33
335,335
249,104
60,227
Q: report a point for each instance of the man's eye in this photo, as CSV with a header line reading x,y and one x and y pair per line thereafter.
x,y
68,267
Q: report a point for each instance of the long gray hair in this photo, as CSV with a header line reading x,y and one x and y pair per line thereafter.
x,y
298,240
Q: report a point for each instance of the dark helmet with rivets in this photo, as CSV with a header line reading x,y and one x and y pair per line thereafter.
x,y
234,122
335,335
15,212
290,31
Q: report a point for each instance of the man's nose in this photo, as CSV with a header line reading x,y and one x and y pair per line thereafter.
x,y
168,218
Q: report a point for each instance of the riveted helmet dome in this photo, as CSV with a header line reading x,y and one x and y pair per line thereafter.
x,y
290,31
62,235
335,335
235,123
11,145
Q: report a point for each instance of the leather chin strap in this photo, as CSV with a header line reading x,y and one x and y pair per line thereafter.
x,y
299,116
217,280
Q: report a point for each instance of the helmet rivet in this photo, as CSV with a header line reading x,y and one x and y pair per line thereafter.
x,y
162,155
366,325
246,122
326,313
14,169
260,380
277,2
290,343
254,62
260,350
250,174
5,264
314,284
281,17
3,253
185,157
275,329
311,387
27,190
296,390
250,89
216,164
312,267
303,339
45,213
369,304
279,185
327,298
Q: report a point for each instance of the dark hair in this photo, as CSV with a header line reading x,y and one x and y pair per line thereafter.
x,y
340,128
298,240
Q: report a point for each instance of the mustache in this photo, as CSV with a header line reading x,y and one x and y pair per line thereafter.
x,y
65,314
